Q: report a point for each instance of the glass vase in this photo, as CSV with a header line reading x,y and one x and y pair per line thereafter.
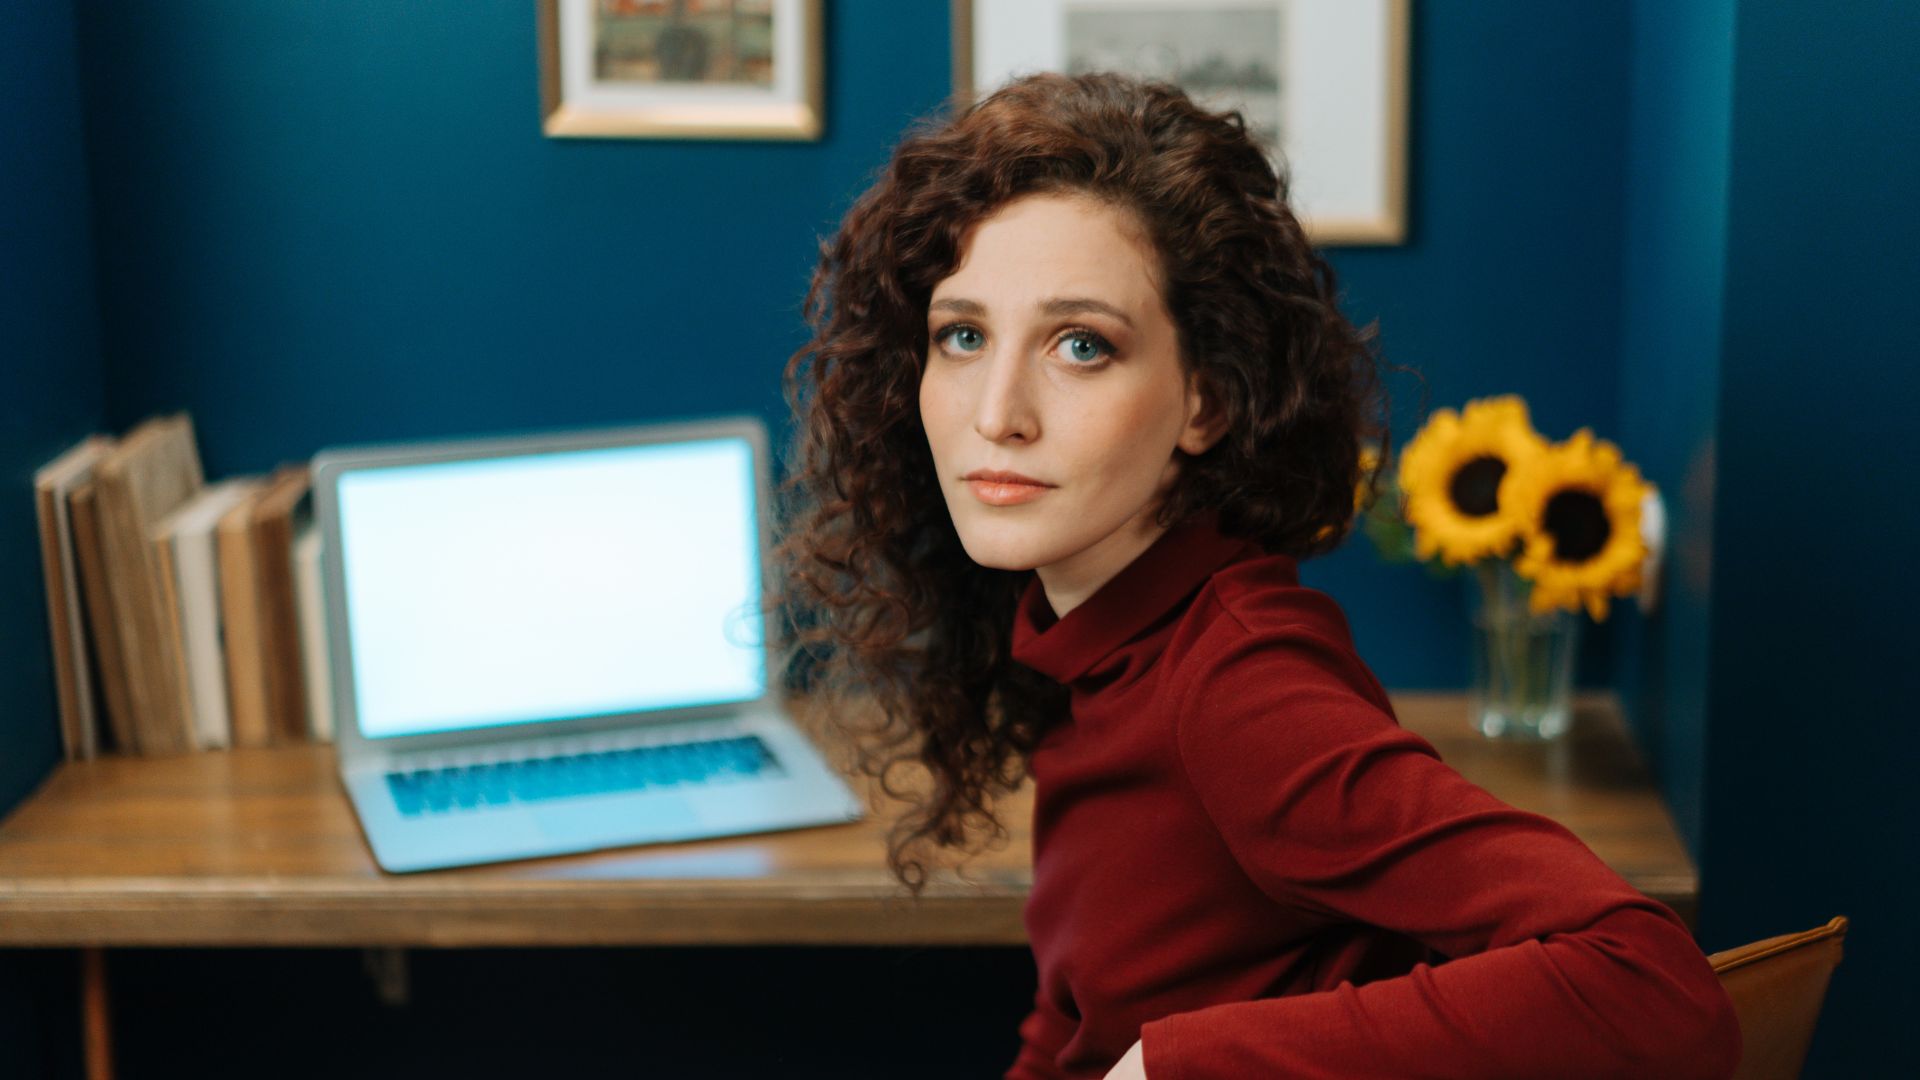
x,y
1522,662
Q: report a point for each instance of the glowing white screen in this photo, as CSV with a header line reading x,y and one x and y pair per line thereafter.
x,y
552,586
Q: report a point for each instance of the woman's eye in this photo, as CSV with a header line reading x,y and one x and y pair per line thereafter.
x,y
964,338
1084,348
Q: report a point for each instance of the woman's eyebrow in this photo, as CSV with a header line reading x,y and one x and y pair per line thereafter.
x,y
959,307
1059,305
1075,305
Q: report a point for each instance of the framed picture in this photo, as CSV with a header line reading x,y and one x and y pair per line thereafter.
x,y
681,69
1322,83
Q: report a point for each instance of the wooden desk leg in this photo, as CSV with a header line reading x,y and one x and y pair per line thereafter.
x,y
388,968
96,1030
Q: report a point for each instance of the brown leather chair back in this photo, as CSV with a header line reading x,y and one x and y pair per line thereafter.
x,y
1777,986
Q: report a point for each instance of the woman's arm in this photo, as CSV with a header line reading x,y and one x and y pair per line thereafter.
x,y
1560,967
1037,1044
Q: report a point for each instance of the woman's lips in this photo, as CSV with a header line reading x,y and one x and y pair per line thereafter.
x,y
998,493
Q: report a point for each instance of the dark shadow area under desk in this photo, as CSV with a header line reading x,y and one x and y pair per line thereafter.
x,y
842,1012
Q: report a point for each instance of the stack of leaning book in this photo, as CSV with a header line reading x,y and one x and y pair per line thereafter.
x,y
184,615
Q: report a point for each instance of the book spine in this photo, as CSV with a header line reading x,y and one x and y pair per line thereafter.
x,y
69,676
240,611
136,601
96,589
172,631
279,631
198,579
313,634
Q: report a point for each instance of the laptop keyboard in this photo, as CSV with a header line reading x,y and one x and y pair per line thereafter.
x,y
478,786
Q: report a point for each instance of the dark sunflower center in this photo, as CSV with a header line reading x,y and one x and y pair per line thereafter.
x,y
1578,524
1476,485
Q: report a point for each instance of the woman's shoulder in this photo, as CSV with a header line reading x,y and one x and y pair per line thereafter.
x,y
1263,596
1254,618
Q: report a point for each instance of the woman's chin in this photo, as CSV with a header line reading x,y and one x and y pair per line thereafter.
x,y
1007,547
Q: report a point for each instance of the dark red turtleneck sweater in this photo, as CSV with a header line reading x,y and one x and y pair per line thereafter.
x,y
1241,859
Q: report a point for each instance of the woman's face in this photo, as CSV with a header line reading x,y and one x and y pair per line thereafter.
x,y
1052,355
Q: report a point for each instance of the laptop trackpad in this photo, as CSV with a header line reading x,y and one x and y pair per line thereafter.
x,y
661,813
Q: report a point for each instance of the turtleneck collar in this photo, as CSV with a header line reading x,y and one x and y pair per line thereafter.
x,y
1167,572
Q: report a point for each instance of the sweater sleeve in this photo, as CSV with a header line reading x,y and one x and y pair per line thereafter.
x,y
1556,966
1037,1046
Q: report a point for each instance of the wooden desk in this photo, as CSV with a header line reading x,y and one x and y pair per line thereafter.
x,y
261,848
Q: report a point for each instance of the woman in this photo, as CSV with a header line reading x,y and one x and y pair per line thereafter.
x,y
1077,401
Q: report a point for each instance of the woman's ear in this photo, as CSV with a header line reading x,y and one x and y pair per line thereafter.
x,y
1206,420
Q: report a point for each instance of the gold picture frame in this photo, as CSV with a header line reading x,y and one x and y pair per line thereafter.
x,y
681,69
1324,82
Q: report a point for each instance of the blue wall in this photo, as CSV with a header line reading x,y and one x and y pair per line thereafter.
x,y
1509,281
332,222
1811,808
324,223
50,372
1669,366
51,396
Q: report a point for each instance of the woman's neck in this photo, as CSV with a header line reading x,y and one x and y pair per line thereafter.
x,y
1074,579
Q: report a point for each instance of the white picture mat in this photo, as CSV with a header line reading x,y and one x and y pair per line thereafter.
x,y
581,91
1337,120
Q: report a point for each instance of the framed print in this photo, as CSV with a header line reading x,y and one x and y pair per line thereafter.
x,y
681,69
1322,84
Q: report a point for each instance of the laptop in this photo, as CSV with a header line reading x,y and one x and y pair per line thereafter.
x,y
554,643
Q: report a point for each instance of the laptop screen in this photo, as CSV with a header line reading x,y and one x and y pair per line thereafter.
x,y
552,586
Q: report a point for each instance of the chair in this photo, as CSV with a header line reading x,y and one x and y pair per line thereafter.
x,y
1777,985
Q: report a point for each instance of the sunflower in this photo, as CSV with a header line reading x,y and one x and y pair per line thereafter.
x,y
1452,473
1580,503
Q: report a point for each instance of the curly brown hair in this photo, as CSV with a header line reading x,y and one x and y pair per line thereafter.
x,y
881,611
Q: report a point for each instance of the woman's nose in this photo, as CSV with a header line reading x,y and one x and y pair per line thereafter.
x,y
1005,408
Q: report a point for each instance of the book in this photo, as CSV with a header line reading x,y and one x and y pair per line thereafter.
x,y
184,547
103,630
155,468
274,520
73,664
310,597
240,617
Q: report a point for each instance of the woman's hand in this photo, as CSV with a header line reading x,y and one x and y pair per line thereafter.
x,y
1131,1066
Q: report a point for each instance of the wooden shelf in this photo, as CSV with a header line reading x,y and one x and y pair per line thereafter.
x,y
261,848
